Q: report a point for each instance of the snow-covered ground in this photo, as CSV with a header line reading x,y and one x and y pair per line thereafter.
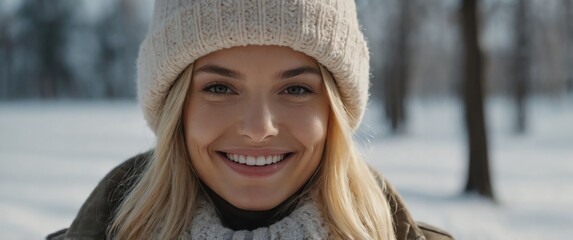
x,y
53,154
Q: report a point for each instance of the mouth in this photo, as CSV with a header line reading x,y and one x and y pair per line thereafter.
x,y
255,161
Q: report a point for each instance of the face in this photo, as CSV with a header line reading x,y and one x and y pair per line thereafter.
x,y
255,123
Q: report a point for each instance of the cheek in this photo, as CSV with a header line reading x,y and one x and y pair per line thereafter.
x,y
308,125
203,124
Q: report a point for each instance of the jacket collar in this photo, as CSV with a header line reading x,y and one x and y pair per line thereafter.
x,y
405,226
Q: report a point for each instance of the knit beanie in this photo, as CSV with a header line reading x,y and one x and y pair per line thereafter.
x,y
181,31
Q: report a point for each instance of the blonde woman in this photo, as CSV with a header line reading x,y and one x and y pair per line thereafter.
x,y
254,104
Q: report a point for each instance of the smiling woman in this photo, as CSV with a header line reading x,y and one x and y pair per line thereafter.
x,y
271,138
254,104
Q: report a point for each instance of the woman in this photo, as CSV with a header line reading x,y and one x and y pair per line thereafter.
x,y
253,104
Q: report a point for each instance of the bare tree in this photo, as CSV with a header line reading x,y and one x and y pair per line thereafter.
x,y
521,62
478,168
6,46
119,34
568,5
398,70
42,42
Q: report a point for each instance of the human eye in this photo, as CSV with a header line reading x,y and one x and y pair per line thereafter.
x,y
297,90
218,88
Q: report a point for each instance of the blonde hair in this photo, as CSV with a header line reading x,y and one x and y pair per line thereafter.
x,y
168,188
352,202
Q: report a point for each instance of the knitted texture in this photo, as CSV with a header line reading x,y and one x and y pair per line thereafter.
x,y
182,31
305,222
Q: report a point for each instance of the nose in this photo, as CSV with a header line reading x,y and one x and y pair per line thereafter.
x,y
258,122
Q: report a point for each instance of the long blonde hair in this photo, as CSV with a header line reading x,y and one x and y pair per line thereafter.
x,y
352,202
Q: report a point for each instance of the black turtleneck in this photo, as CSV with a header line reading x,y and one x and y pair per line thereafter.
x,y
240,219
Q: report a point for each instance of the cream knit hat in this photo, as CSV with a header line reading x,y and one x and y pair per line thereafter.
x,y
182,31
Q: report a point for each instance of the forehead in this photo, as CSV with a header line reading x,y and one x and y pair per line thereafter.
x,y
257,57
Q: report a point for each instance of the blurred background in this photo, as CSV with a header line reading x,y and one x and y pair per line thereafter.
x,y
471,110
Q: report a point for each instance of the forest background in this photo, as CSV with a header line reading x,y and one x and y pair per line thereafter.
x,y
491,73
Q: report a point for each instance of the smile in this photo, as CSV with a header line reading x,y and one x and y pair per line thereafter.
x,y
255,160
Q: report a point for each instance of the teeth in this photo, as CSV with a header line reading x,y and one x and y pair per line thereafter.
x,y
251,161
269,160
255,160
261,161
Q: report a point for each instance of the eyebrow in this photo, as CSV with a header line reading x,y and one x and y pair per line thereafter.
x,y
298,71
209,68
214,69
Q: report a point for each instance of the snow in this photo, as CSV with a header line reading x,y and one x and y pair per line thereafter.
x,y
52,154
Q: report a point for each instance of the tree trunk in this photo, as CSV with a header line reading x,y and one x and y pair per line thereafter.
x,y
478,168
51,32
521,62
396,81
568,5
6,46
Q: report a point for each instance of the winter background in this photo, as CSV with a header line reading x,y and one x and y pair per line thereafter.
x,y
61,133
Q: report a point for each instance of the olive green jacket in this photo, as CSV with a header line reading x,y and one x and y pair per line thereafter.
x,y
95,214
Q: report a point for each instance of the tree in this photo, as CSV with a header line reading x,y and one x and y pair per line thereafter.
x,y
397,72
6,46
119,34
521,62
42,43
568,5
478,168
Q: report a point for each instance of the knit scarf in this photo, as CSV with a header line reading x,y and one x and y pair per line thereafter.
x,y
305,222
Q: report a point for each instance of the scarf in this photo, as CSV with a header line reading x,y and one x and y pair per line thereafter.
x,y
305,222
